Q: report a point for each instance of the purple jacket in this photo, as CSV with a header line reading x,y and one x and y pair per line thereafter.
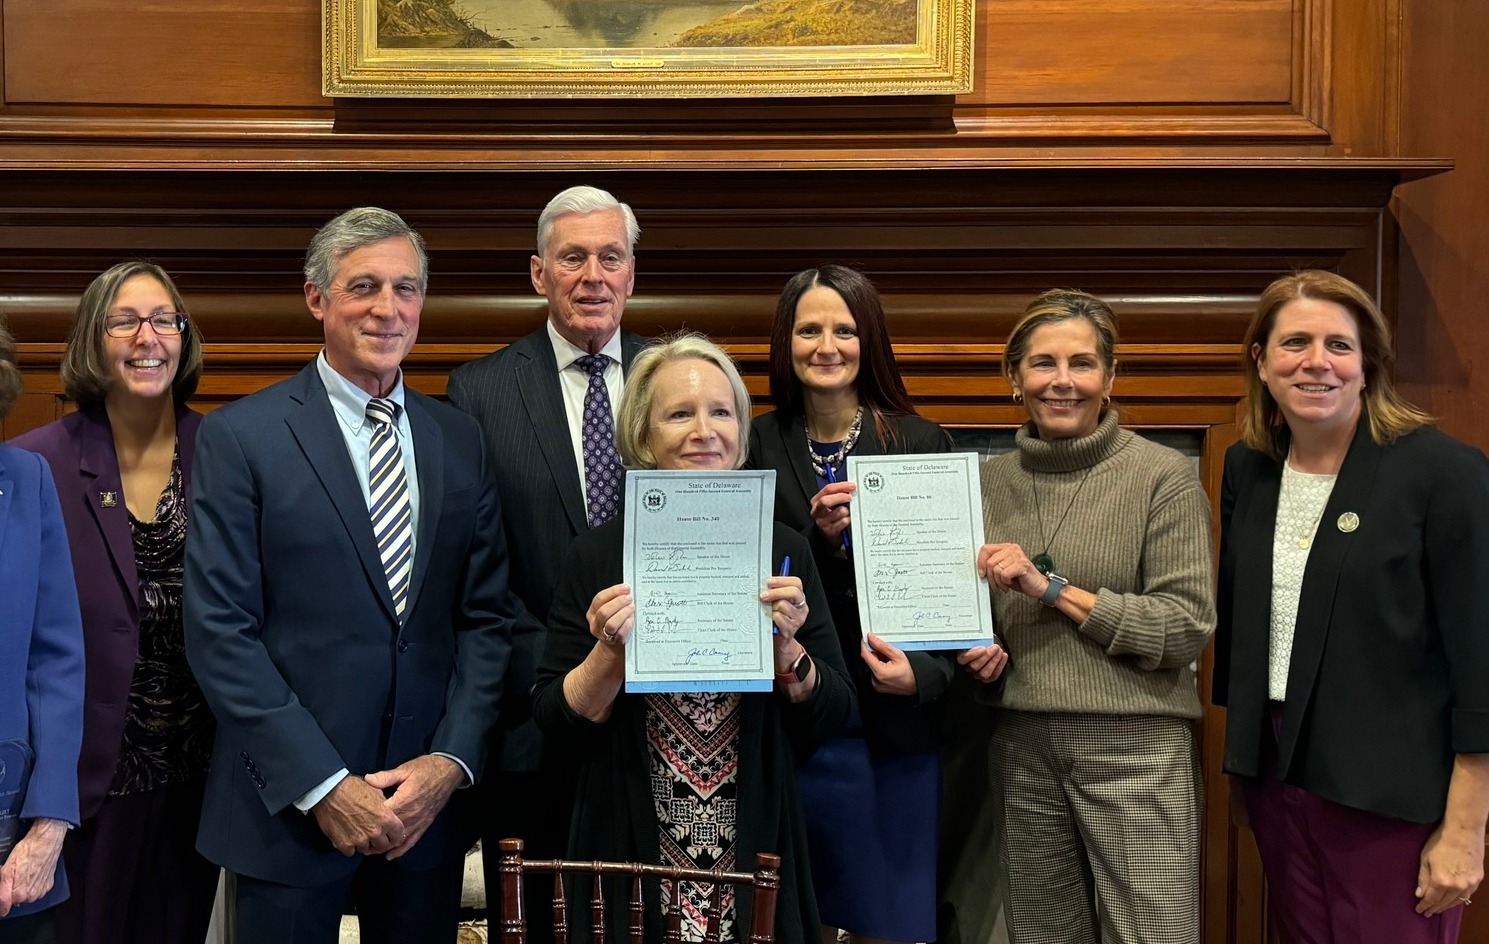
x,y
80,449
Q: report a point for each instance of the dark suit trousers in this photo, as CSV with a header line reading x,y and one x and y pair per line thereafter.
x,y
394,905
537,808
135,874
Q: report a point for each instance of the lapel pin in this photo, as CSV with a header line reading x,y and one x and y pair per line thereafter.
x,y
1348,522
108,499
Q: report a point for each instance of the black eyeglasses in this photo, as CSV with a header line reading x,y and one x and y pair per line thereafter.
x,y
127,326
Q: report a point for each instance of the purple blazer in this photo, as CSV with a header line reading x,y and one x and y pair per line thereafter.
x,y
80,449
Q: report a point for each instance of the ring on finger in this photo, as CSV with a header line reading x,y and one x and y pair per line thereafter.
x,y
609,635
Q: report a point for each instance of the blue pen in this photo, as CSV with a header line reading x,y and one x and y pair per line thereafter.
x,y
832,478
785,572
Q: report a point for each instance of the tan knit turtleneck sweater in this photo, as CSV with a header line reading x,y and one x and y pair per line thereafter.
x,y
1137,534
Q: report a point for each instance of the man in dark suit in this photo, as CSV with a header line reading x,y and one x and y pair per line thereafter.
x,y
347,616
547,403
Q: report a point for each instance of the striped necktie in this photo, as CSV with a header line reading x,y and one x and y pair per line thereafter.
x,y
387,501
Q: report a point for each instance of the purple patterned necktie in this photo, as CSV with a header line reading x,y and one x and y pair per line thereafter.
x,y
601,461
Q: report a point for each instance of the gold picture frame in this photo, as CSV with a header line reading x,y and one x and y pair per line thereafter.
x,y
610,49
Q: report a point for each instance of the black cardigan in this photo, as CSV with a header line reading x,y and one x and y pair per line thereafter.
x,y
1389,676
891,722
614,818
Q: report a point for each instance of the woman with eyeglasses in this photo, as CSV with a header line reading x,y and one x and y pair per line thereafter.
x,y
122,464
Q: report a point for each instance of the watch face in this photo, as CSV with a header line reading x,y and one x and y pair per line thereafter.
x,y
802,667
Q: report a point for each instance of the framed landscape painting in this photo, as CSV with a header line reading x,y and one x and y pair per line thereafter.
x,y
645,48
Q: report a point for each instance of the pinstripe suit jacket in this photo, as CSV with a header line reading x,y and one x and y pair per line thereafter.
x,y
514,394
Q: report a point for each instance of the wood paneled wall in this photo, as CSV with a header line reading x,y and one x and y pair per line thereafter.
x,y
1171,155
1442,336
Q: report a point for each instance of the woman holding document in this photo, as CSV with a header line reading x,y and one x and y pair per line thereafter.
x,y
837,393
698,779
1100,563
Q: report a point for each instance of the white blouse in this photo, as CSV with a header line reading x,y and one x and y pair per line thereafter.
x,y
1300,506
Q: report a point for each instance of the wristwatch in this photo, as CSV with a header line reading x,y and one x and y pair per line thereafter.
x,y
798,672
1052,592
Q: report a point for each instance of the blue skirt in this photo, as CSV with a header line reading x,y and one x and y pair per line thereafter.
x,y
871,820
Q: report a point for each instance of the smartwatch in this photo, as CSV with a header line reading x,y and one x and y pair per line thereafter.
x,y
798,672
1052,592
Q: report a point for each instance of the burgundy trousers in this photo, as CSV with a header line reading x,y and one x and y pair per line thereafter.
x,y
1338,875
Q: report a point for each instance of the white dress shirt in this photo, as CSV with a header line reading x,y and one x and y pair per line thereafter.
x,y
349,402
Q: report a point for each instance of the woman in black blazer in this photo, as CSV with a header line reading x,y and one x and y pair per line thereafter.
x,y
1352,652
872,795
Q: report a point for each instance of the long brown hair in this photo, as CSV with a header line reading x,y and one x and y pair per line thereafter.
x,y
880,388
1389,414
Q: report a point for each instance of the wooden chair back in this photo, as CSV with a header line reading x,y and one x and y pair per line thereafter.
x,y
765,880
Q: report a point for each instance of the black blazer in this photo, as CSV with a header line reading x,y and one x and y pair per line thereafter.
x,y
1389,677
615,813
515,396
778,442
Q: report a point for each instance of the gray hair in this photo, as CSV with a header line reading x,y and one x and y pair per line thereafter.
x,y
634,420
358,227
583,199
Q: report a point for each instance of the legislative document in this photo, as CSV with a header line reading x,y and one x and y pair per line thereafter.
x,y
698,551
917,527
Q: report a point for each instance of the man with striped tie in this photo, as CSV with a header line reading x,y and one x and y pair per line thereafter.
x,y
347,616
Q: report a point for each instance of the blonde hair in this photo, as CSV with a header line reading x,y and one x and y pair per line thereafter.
x,y
1389,414
633,424
1053,307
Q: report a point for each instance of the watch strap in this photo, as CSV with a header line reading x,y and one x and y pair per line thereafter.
x,y
1052,592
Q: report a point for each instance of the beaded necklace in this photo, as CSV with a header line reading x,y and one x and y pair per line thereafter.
x,y
821,463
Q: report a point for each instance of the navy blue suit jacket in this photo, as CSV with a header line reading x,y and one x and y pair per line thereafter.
x,y
80,449
41,645
291,630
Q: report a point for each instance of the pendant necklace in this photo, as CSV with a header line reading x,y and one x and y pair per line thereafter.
x,y
820,464
1305,536
1042,561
